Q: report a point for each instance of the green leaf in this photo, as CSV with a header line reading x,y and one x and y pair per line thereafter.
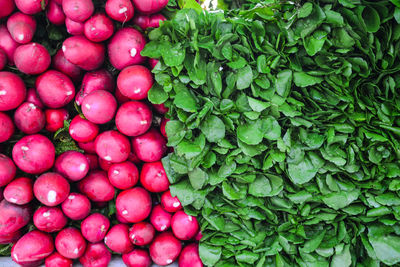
x,y
386,247
305,10
339,200
245,78
342,259
371,19
209,255
197,178
284,82
157,95
185,100
173,56
250,133
302,172
213,128
302,79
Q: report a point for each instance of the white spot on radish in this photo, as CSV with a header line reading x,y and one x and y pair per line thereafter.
x,y
103,228
87,106
176,204
21,36
71,197
82,167
124,212
76,250
46,214
108,158
13,200
64,48
163,227
105,240
69,93
24,148
71,131
93,29
143,122
3,92
133,52
123,10
159,174
133,236
137,91
32,106
169,261
15,257
51,196
190,218
116,172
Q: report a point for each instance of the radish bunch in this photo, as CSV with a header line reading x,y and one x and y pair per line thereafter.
x,y
112,194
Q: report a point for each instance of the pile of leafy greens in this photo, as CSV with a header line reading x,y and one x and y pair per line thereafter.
x,y
285,122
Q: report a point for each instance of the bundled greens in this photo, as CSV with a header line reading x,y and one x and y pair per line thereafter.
x,y
285,120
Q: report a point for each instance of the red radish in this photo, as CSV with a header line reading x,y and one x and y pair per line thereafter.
x,y
160,108
98,28
165,249
153,62
33,97
32,58
112,146
76,206
137,258
142,21
55,119
120,219
82,130
95,227
160,219
133,158
7,170
74,27
95,80
135,82
88,147
85,54
55,89
29,118
73,165
149,7
123,175
104,164
78,10
11,237
12,90
125,47
57,260
13,217
61,64
184,226
31,7
19,191
6,127
49,219
155,20
70,243
198,236
149,147
51,189
117,239
99,106
32,248
133,118
3,59
120,10
120,97
7,44
162,126
34,154
134,205
142,233
7,7
96,255
190,256
97,187
93,161
55,14
170,203
153,177
22,27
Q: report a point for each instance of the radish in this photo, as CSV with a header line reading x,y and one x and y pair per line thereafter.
x,y
11,237
78,10
184,226
162,126
198,236
120,10
133,118
142,233
3,59
74,27
76,206
165,249
12,90
120,219
124,48
82,130
160,108
7,170
153,177
88,147
105,165
123,175
117,239
155,20
33,97
135,82
70,243
134,205
6,127
99,106
19,191
149,147
96,255
55,89
160,219
7,7
32,248
55,13
57,260
153,62
29,118
170,203
137,258
51,189
95,80
13,217
49,219
85,54
149,7
97,187
7,44
190,256
34,154
31,7
112,146
61,64
22,27
93,161
95,227
55,119
32,58
146,21
73,165
120,97
99,28
133,158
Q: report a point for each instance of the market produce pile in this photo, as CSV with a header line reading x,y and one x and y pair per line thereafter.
x,y
261,133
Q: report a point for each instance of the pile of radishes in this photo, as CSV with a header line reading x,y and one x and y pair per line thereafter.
x,y
51,204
